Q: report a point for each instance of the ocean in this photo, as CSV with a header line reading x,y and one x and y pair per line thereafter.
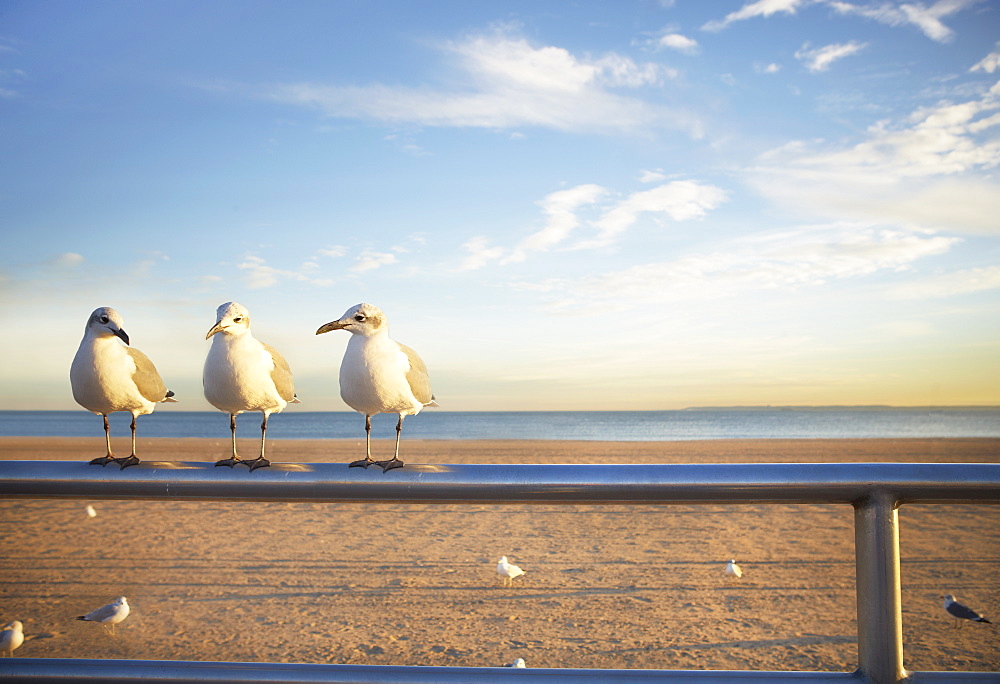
x,y
689,424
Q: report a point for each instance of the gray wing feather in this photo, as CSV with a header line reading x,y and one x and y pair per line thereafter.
x,y
420,381
146,378
960,611
281,375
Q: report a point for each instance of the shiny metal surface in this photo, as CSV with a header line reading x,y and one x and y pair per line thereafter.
x,y
163,671
539,484
876,490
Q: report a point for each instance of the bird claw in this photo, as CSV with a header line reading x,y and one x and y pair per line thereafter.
x,y
386,466
257,463
229,462
363,463
103,460
128,461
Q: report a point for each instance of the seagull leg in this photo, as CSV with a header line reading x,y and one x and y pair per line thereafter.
x,y
104,460
234,459
367,460
133,459
394,462
260,461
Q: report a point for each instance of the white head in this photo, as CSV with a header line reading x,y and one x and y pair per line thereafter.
x,y
518,663
948,598
121,601
232,319
15,625
732,561
105,322
503,560
363,319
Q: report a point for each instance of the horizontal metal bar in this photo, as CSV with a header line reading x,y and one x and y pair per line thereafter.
x,y
170,671
539,484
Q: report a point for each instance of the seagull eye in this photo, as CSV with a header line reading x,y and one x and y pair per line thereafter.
x,y
359,318
237,319
104,319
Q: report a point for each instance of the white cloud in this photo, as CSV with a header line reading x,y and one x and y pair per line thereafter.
x,y
371,260
679,42
480,253
820,59
504,82
950,284
67,260
649,176
678,200
787,260
259,275
560,212
926,19
608,218
333,251
760,8
771,68
989,63
932,169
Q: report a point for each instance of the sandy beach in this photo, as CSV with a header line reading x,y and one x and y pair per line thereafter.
x,y
605,586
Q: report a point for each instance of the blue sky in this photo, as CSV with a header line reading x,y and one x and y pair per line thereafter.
x,y
572,205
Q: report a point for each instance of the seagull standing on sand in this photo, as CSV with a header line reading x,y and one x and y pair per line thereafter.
x,y
508,571
733,570
379,375
960,612
11,637
244,374
108,376
111,614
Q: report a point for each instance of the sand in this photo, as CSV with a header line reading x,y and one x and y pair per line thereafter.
x,y
605,586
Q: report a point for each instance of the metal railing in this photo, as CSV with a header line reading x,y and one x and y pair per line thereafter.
x,y
875,490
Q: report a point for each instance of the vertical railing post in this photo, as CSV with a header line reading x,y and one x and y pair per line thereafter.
x,y
880,616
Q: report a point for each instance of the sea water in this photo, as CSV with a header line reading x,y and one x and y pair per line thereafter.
x,y
690,424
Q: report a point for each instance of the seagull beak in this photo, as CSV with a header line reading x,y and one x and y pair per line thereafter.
x,y
218,327
332,325
120,334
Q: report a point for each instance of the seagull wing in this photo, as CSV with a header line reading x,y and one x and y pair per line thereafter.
x,y
146,378
101,614
960,611
281,375
420,381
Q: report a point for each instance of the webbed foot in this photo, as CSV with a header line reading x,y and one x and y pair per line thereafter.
x,y
363,463
386,466
229,461
126,462
103,460
259,462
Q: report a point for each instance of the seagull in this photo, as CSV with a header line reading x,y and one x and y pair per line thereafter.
x,y
518,662
508,571
107,376
960,612
244,374
733,570
379,375
111,614
11,637
91,511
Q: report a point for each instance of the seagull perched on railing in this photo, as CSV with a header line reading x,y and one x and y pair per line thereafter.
x,y
379,375
244,374
960,612
108,376
111,614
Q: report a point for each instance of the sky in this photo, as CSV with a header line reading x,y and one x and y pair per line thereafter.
x,y
589,205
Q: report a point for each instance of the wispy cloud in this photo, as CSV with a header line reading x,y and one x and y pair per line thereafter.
x,y
787,260
925,18
604,215
989,63
503,81
820,59
369,261
932,168
259,275
760,8
950,284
